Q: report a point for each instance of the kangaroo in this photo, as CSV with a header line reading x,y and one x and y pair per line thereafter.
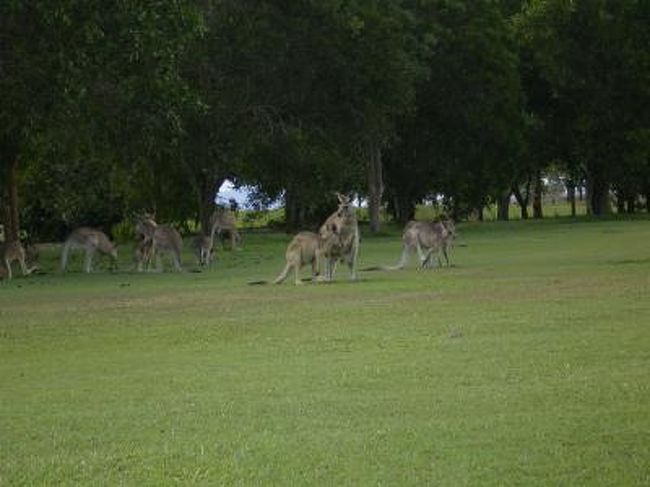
x,y
163,239
142,252
144,230
447,231
339,239
303,249
91,241
14,251
431,236
203,246
225,223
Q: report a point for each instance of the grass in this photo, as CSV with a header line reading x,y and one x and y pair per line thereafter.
x,y
525,363
551,209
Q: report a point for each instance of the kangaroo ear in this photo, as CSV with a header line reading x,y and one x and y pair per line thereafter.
x,y
343,199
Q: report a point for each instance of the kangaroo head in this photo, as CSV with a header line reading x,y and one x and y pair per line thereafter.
x,y
449,225
145,226
216,217
345,209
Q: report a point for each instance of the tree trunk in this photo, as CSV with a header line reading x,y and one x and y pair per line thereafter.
x,y
292,209
620,202
597,195
206,189
537,197
403,209
12,218
631,204
503,206
407,212
394,208
206,207
289,210
479,213
571,196
375,185
523,202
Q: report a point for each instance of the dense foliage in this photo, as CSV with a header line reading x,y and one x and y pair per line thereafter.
x,y
113,108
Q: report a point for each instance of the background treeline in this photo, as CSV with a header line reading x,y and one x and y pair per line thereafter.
x,y
107,108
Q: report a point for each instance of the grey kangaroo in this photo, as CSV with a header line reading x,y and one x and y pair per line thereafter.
x,y
91,241
163,239
14,251
339,239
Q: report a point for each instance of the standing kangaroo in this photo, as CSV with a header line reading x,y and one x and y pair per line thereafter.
x,y
203,244
339,238
142,252
91,241
163,239
225,224
14,251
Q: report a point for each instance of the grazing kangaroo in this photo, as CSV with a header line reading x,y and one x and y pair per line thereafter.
x,y
163,239
431,236
14,251
91,241
303,249
447,232
339,238
225,224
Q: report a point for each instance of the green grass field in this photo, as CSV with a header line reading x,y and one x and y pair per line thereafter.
x,y
526,363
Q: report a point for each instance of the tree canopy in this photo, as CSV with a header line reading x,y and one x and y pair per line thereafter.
x,y
113,108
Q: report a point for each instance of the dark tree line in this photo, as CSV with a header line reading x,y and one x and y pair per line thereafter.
x,y
107,108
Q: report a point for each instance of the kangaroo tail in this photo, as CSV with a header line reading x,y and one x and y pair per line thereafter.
x,y
64,255
257,283
400,265
403,260
283,275
382,268
394,267
177,262
373,268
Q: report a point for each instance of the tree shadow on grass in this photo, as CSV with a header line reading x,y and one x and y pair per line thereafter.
x,y
630,261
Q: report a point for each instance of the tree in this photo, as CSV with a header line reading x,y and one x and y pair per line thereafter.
x,y
593,55
385,60
466,130
85,79
341,74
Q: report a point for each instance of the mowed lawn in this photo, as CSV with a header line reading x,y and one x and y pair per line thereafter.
x,y
526,363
